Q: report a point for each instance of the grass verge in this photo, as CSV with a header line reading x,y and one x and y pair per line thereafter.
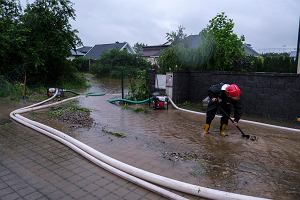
x,y
15,91
71,113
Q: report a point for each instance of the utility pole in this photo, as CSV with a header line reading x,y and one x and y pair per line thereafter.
x,y
298,52
122,82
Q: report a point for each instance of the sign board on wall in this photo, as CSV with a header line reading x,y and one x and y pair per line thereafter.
x,y
160,81
169,80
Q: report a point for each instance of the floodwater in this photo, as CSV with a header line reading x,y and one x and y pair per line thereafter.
x,y
170,143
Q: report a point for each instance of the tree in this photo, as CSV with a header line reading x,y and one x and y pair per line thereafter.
x,y
228,47
49,39
174,37
138,47
169,59
113,61
11,39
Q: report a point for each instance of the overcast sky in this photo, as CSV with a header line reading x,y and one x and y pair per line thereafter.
x,y
264,23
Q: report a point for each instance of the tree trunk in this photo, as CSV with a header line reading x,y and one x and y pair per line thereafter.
x,y
24,89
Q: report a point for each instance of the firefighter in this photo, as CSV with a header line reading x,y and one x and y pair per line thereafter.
x,y
224,96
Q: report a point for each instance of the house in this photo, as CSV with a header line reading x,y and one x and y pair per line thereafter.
x,y
96,52
249,51
75,54
193,41
151,53
80,52
293,54
84,49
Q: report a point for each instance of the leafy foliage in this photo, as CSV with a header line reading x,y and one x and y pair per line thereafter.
x,y
11,39
37,41
139,86
8,89
178,57
49,38
174,37
169,60
228,47
113,62
218,48
279,63
271,62
138,47
81,64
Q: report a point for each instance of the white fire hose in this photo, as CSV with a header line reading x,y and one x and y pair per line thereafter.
x,y
241,120
124,170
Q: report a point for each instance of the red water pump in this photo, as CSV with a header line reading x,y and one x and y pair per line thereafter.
x,y
160,102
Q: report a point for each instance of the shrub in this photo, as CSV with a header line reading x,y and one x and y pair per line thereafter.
x,y
113,61
81,64
9,89
139,86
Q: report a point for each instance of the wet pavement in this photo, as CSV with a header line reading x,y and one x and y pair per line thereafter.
x,y
33,166
166,142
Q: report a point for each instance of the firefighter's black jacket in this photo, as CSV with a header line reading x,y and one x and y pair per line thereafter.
x,y
215,91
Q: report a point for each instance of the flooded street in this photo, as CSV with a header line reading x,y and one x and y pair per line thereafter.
x,y
170,143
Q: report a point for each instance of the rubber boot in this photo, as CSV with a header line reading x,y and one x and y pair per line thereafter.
x,y
206,128
222,129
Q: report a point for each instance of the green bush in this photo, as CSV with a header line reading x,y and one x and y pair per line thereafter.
x,y
139,87
81,64
14,91
73,81
113,62
271,62
278,62
5,87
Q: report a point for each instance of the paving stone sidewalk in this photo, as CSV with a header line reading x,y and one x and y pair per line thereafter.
x,y
33,166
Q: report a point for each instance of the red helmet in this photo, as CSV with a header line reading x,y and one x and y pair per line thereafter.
x,y
232,91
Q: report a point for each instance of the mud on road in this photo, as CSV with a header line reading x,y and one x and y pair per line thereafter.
x,y
170,143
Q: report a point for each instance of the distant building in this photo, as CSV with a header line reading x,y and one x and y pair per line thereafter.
x,y
193,42
96,52
75,54
278,50
84,49
293,54
151,53
80,52
249,51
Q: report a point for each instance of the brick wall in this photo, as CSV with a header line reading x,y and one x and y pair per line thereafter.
x,y
273,96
